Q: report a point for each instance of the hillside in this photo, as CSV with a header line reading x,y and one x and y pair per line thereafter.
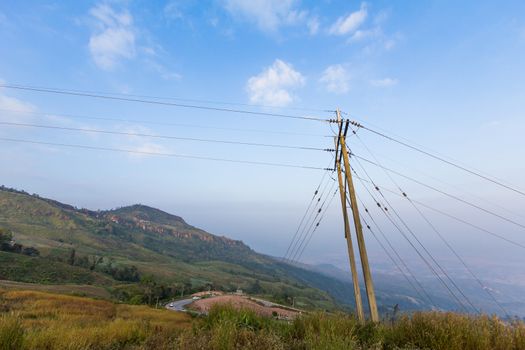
x,y
162,247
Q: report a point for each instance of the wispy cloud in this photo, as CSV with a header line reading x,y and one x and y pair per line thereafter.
x,y
13,109
385,82
274,85
336,79
113,38
313,25
270,15
350,23
139,144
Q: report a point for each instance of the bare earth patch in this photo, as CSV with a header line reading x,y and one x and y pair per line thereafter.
x,y
243,302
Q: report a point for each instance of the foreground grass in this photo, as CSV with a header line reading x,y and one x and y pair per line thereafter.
x,y
226,328
35,320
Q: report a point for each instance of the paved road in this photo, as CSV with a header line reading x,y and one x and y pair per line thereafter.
x,y
178,305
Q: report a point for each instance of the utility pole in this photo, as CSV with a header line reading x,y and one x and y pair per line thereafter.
x,y
348,236
357,223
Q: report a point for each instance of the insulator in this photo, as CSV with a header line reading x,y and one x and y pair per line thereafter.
x,y
319,210
368,226
316,192
386,209
379,205
377,188
404,194
366,210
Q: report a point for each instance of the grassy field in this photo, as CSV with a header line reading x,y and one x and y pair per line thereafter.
x,y
83,290
36,320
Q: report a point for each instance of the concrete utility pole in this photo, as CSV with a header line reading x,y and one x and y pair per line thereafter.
x,y
358,228
348,236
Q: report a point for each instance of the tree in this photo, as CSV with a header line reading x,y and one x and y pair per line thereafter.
x,y
71,259
6,236
30,251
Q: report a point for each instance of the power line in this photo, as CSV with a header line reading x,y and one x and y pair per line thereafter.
x,y
418,149
455,253
173,104
186,99
460,189
143,121
517,244
99,131
313,225
397,254
441,191
432,226
310,218
429,265
317,225
392,258
284,165
304,216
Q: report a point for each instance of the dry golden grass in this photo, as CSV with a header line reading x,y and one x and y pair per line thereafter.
x,y
36,320
90,291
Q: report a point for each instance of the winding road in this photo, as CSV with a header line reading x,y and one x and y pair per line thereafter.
x,y
178,305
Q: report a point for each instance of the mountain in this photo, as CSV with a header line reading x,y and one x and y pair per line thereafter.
x,y
112,247
116,249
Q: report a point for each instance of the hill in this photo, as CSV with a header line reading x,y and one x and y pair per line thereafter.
x,y
139,247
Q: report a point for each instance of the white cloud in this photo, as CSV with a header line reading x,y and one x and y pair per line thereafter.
x,y
336,79
270,15
386,82
274,84
114,38
349,23
13,109
313,25
173,10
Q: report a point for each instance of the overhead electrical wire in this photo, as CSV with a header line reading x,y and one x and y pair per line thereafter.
x,y
454,164
397,255
315,209
176,155
317,225
441,191
429,265
451,216
156,136
305,214
314,223
455,187
154,102
153,122
171,98
436,231
476,278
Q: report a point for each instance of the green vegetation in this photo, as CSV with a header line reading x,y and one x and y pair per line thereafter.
x,y
141,254
34,320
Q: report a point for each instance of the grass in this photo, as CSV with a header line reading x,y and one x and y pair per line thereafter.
x,y
226,328
36,320
68,289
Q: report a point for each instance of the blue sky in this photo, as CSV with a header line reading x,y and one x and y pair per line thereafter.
x,y
443,74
